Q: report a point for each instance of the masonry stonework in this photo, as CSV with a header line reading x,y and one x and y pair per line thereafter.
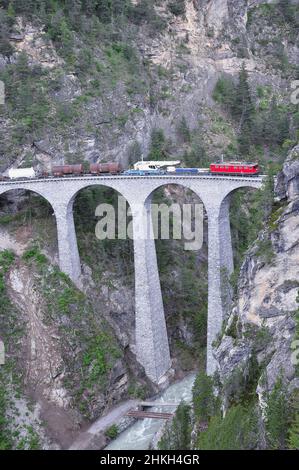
x,y
152,349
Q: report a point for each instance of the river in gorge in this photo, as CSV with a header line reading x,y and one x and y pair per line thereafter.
x,y
140,435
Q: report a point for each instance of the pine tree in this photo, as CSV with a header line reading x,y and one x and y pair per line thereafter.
x,y
159,146
11,11
203,397
104,10
5,23
243,107
293,439
238,430
183,130
287,10
243,110
276,127
277,416
245,138
178,435
294,434
25,6
73,9
267,196
182,427
177,7
224,92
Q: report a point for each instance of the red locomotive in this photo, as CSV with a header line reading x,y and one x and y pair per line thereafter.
x,y
235,168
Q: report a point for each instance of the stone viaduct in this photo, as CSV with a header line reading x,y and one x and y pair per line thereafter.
x,y
152,347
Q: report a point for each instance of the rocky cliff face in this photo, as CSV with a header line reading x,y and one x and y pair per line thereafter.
x,y
261,330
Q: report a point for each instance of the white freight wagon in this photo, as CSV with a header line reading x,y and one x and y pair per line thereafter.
x,y
16,173
156,165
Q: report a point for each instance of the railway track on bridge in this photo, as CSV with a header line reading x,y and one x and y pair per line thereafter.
x,y
175,178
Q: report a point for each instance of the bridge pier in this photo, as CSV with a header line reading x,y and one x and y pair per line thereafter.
x,y
220,267
152,348
69,259
151,335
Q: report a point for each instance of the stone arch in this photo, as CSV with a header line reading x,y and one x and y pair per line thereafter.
x,y
96,183
121,204
16,188
190,185
10,188
193,199
225,215
67,240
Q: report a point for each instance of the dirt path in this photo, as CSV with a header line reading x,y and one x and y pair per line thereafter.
x,y
94,437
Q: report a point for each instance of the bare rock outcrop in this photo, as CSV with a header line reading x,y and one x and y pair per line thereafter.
x,y
262,324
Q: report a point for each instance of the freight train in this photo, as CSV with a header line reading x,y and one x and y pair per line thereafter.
x,y
144,168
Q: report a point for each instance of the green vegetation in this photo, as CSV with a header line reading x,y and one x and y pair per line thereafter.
x,y
277,416
6,22
27,97
232,330
237,430
183,131
240,386
102,255
13,435
259,336
112,432
293,436
100,357
296,337
96,41
177,7
250,212
205,403
6,259
265,251
34,255
6,438
81,329
224,91
262,122
190,303
63,16
160,147
178,434
136,390
282,18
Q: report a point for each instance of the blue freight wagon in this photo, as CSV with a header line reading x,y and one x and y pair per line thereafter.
x,y
186,171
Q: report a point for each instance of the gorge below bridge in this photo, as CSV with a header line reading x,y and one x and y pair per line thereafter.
x,y
152,348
